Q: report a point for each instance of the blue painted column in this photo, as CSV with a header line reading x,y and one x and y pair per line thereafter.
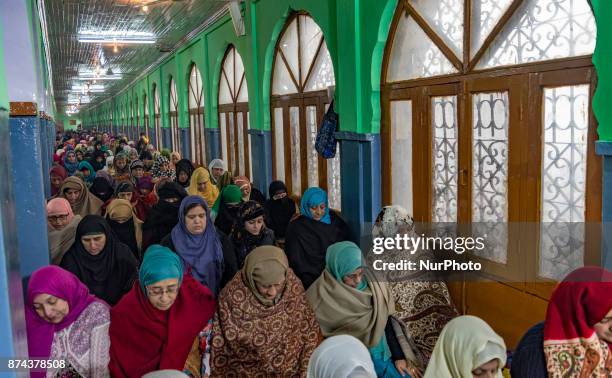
x,y
261,155
45,155
152,139
186,143
360,169
26,149
604,149
167,138
213,144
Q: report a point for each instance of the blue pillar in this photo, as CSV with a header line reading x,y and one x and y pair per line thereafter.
x,y
604,149
29,193
213,144
45,154
152,139
360,169
166,138
185,143
261,145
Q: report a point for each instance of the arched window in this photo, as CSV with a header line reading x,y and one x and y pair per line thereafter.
x,y
302,72
486,121
146,122
157,117
174,126
196,117
234,114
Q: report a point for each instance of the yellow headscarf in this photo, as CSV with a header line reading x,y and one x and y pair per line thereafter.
x,y
211,193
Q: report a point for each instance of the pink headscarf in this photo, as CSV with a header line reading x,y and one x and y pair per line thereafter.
x,y
60,283
59,171
60,206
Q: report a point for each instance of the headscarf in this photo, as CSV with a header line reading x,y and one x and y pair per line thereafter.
x,y
87,203
184,165
571,346
266,265
251,338
59,171
110,273
156,170
145,339
203,252
105,175
229,194
202,175
126,169
314,197
176,155
70,167
241,182
244,241
145,182
136,164
164,215
341,356
224,215
122,218
110,163
94,162
342,309
216,163
344,258
464,344
60,283
92,173
279,212
101,188
61,240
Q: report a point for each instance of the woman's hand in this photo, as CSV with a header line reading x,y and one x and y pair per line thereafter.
x,y
406,368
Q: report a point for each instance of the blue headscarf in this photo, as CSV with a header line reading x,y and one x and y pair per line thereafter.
x,y
92,173
202,253
70,167
314,197
344,258
159,263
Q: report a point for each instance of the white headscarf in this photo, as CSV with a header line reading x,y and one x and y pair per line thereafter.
x,y
165,374
341,356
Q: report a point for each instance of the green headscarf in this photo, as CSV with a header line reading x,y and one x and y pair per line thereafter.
x,y
344,258
159,263
229,194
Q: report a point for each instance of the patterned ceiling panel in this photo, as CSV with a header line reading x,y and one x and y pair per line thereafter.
x,y
167,21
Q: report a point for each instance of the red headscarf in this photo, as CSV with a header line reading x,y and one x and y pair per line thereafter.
x,y
57,170
144,339
571,345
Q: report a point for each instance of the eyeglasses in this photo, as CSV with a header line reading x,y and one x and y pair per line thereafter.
x,y
158,291
57,218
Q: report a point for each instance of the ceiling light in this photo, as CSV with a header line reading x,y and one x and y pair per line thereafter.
x,y
116,37
105,77
145,8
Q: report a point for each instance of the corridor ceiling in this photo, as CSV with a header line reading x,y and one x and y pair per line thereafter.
x,y
167,22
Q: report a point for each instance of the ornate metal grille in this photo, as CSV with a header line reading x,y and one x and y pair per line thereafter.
x,y
444,155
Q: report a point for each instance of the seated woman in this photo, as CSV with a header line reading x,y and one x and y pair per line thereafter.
x,y
65,322
217,169
309,235
577,336
57,174
161,169
225,211
195,240
122,219
341,356
102,189
248,192
144,189
528,358
184,170
126,191
81,200
347,299
104,264
137,171
250,231
280,209
262,337
71,162
88,172
121,168
158,324
467,347
201,186
164,215
62,224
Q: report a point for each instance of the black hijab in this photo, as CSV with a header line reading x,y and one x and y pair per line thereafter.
x,y
279,212
94,163
244,242
163,215
227,216
126,233
109,274
102,189
184,165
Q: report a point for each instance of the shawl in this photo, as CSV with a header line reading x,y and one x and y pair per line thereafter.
x,y
55,281
253,339
70,167
107,176
59,171
86,203
267,265
314,197
465,343
60,241
244,242
201,253
84,165
108,274
156,172
145,339
342,309
211,193
101,188
422,299
341,356
224,214
122,219
307,241
184,165
94,162
164,215
216,163
571,346
279,212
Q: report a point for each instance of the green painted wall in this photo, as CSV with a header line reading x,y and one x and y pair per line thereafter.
x,y
601,60
4,100
355,32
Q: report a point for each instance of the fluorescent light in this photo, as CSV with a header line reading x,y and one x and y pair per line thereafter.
x,y
122,41
116,37
101,77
